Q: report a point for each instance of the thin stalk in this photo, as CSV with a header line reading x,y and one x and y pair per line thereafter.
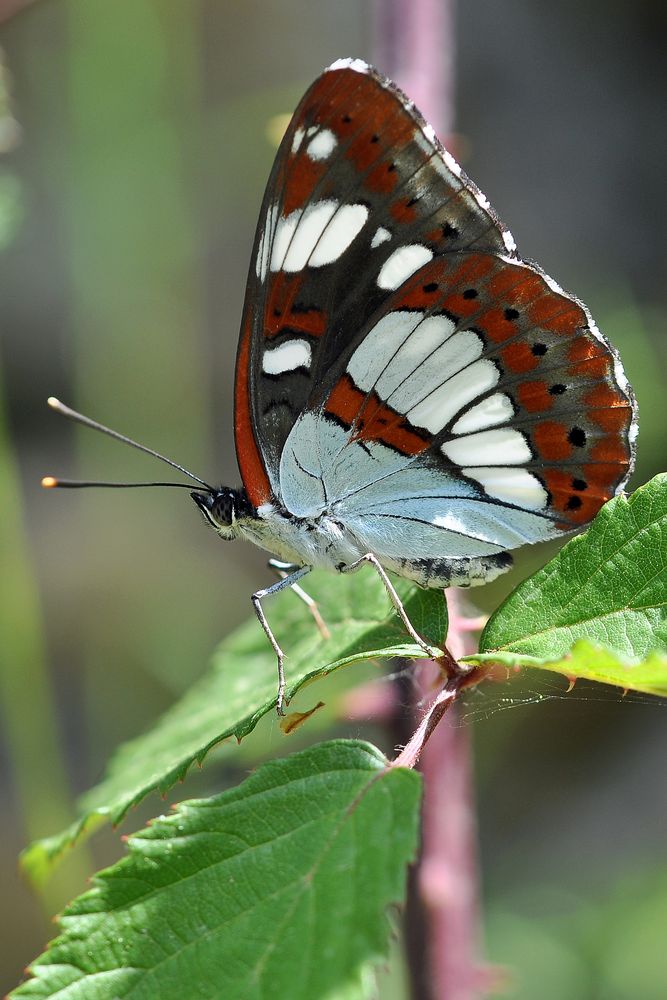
x,y
413,41
448,875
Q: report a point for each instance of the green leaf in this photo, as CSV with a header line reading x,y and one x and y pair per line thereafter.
x,y
278,888
587,661
598,609
240,687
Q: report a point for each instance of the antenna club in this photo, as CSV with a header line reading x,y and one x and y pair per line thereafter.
x,y
48,482
54,403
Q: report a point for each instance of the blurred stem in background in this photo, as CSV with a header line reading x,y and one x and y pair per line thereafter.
x,y
415,43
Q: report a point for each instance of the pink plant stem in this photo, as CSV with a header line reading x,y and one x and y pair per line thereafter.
x,y
447,880
448,876
413,749
413,42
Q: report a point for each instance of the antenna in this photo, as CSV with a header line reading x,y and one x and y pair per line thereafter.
x,y
50,482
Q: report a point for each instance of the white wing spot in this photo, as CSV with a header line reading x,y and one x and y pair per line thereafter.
x,y
509,241
504,446
382,341
444,171
287,357
297,140
496,409
516,486
456,350
307,232
358,65
316,236
448,399
401,264
425,138
323,145
412,373
264,245
406,364
429,132
381,236
451,163
339,234
284,233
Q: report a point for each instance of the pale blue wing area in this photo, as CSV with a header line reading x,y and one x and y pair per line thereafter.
x,y
396,506
461,529
319,466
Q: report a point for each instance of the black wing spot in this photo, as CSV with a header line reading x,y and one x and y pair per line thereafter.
x,y
431,287
579,484
577,437
574,503
413,201
346,118
511,314
391,168
539,349
558,389
470,293
375,138
449,231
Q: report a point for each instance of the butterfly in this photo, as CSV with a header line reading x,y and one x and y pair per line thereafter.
x,y
409,392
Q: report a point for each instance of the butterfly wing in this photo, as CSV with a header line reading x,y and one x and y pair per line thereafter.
x,y
481,411
400,368
360,188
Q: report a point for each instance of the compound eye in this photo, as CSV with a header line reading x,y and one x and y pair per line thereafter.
x,y
223,509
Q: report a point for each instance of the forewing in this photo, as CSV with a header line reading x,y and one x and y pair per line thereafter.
x,y
361,196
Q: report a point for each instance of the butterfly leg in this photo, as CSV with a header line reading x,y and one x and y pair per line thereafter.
x,y
286,581
283,569
431,651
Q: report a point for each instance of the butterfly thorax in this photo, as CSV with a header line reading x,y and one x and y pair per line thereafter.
x,y
320,541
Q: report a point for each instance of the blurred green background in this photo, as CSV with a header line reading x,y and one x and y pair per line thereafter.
x,y
133,157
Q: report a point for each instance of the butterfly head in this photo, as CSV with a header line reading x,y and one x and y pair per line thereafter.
x,y
222,509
